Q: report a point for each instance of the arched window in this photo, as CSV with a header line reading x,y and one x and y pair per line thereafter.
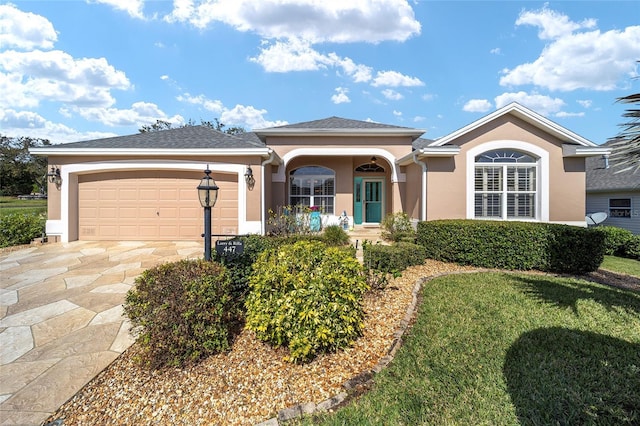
x,y
505,185
370,168
313,186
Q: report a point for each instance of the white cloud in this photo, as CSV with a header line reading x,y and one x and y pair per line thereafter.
x,y
477,105
585,103
291,55
28,123
573,60
335,21
24,30
132,7
340,97
248,116
395,79
542,104
240,115
563,114
397,113
208,104
27,78
495,51
140,113
392,95
551,24
419,119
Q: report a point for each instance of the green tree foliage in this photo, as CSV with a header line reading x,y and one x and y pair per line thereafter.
x,y
626,145
20,172
161,125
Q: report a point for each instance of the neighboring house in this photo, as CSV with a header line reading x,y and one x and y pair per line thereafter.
x,y
613,192
512,164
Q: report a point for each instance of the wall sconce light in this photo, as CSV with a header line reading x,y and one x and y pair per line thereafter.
x,y
374,160
249,179
54,176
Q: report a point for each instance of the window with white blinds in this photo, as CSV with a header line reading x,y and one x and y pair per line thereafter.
x,y
313,186
505,185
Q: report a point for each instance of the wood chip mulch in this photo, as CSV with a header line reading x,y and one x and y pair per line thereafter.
x,y
249,384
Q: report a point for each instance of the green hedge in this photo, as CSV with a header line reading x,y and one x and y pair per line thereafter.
x,y
392,258
182,312
308,297
513,245
615,239
20,228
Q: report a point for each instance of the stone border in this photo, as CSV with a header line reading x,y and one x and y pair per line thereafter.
x,y
362,379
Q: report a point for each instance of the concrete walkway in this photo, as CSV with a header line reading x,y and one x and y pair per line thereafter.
x,y
61,318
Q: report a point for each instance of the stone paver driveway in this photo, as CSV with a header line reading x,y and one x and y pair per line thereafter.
x,y
61,318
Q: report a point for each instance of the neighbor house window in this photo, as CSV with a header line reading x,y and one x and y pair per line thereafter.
x,y
313,186
505,185
620,207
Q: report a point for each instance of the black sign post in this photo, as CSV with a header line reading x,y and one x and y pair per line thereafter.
x,y
229,247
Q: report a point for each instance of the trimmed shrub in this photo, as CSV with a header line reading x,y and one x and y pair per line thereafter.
x,y
397,227
20,228
182,312
513,245
632,248
394,258
615,239
306,296
334,235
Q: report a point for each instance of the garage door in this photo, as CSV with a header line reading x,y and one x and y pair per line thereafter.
x,y
152,205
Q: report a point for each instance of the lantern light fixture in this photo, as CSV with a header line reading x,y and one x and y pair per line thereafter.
x,y
249,179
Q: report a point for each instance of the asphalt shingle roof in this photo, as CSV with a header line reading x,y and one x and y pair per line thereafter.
x,y
421,143
190,137
600,178
337,123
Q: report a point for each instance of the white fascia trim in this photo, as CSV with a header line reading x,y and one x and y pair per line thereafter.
x,y
122,165
525,114
150,151
341,132
431,151
543,173
396,176
569,150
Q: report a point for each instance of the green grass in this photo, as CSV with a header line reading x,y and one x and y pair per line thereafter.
x,y
510,349
10,205
621,265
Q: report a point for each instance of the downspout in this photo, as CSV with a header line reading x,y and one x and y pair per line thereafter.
x,y
423,195
263,225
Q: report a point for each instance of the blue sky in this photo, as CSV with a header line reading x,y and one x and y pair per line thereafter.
x,y
75,70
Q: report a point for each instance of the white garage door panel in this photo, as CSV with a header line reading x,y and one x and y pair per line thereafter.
x,y
152,205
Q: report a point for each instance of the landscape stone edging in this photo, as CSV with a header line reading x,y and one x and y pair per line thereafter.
x,y
363,378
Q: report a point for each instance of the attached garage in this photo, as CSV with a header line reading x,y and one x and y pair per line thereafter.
x,y
152,205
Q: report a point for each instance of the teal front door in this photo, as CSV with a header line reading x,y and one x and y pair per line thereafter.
x,y
368,197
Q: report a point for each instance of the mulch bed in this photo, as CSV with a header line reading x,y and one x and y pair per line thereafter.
x,y
251,383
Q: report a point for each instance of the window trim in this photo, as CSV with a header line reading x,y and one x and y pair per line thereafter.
x,y
542,172
629,209
311,196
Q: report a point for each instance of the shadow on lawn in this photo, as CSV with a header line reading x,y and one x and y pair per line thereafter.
x,y
567,293
570,377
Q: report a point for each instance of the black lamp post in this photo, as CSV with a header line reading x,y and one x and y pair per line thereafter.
x,y
208,195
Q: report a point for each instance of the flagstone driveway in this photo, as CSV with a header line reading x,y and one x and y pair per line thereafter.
x,y
61,317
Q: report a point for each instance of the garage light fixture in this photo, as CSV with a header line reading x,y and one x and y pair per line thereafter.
x,y
248,177
54,176
208,195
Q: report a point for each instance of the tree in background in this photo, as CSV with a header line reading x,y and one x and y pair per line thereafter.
x,y
160,125
20,172
626,145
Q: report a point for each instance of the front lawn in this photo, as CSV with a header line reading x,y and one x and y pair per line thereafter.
x,y
15,205
621,265
505,349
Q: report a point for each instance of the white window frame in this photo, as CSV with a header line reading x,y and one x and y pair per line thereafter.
x,y
542,176
311,196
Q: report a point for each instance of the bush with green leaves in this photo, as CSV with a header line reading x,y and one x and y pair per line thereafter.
x,y
397,227
20,228
513,245
334,235
182,312
615,239
308,297
632,248
393,258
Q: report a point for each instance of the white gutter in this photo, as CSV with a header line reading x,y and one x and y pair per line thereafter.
x,y
149,151
263,224
423,192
